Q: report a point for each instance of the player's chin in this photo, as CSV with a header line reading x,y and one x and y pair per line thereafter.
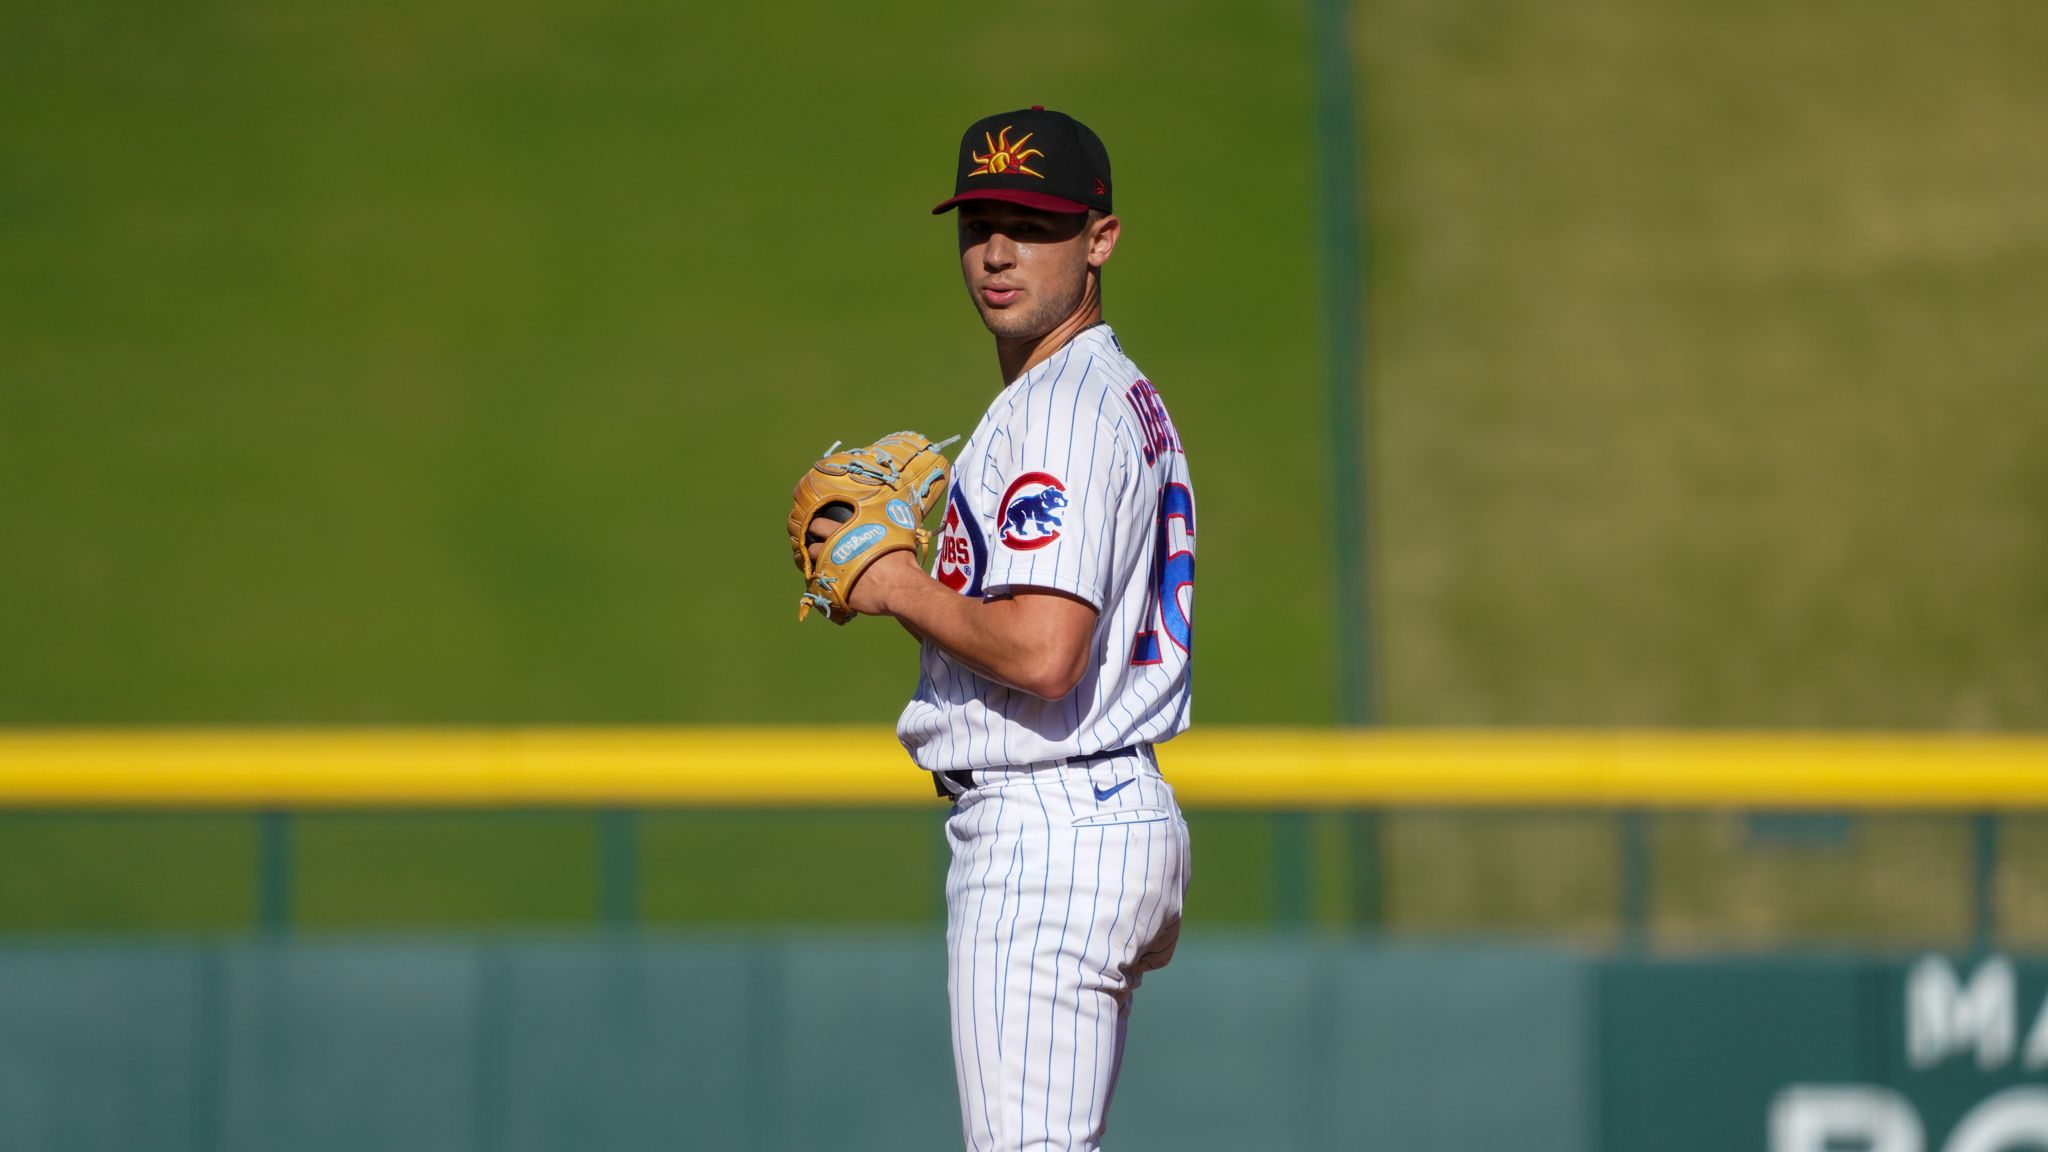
x,y
1010,322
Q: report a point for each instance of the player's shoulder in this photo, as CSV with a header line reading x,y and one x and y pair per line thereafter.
x,y
1084,388
1110,368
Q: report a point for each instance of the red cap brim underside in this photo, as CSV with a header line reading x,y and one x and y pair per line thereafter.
x,y
1038,200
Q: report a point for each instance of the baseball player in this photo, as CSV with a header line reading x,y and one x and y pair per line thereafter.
x,y
1055,630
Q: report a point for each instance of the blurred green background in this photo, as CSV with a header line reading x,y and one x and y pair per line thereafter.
x,y
450,362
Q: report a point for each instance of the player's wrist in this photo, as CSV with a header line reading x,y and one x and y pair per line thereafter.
x,y
880,588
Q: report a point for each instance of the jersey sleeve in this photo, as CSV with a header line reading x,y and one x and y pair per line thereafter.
x,y
1065,478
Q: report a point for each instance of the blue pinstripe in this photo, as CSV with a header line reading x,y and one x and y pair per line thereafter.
x,y
1099,1100
1014,901
977,969
1080,959
1023,1062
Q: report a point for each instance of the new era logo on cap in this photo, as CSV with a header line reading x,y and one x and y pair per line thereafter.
x,y
1040,159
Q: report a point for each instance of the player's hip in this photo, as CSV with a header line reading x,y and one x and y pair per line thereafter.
x,y
1062,806
1097,851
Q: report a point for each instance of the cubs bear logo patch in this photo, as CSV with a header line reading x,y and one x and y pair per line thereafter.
x,y
1031,511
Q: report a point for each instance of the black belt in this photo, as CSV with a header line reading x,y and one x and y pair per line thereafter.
x,y
963,778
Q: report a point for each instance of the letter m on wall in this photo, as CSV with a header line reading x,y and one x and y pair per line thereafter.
x,y
1946,1016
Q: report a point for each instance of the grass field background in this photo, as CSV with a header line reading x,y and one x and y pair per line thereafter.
x,y
453,362
1709,358
450,362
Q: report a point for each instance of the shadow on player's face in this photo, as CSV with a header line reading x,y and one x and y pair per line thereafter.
x,y
980,219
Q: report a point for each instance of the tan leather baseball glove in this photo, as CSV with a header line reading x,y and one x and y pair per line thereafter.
x,y
883,494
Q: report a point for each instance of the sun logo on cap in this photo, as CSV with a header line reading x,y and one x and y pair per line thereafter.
x,y
1004,157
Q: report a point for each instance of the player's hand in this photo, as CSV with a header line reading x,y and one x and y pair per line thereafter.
x,y
869,596
821,528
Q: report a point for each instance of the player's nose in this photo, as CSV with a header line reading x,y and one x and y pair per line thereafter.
x,y
998,253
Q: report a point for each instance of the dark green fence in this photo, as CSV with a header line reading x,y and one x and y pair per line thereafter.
x,y
1656,880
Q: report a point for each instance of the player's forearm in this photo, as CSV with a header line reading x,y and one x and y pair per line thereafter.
x,y
1004,640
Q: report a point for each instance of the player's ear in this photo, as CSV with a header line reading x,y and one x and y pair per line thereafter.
x,y
1102,235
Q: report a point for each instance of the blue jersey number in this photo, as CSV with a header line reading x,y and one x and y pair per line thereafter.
x,y
1172,600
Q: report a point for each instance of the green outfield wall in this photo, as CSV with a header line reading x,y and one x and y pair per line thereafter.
x,y
755,1043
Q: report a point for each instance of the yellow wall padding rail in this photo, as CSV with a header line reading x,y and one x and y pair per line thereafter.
x,y
864,767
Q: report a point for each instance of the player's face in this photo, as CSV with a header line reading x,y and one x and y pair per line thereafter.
x,y
1026,270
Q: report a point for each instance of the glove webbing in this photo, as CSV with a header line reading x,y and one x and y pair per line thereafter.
x,y
893,476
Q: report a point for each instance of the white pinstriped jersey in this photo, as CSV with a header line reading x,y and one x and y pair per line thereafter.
x,y
1075,480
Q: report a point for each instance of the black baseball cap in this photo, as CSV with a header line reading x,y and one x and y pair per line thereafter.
x,y
1044,160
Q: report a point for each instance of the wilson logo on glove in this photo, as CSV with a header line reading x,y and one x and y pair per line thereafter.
x,y
857,541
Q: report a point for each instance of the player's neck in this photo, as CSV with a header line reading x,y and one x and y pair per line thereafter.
x,y
1020,356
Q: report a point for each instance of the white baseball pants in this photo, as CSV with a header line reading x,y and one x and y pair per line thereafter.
x,y
1065,889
